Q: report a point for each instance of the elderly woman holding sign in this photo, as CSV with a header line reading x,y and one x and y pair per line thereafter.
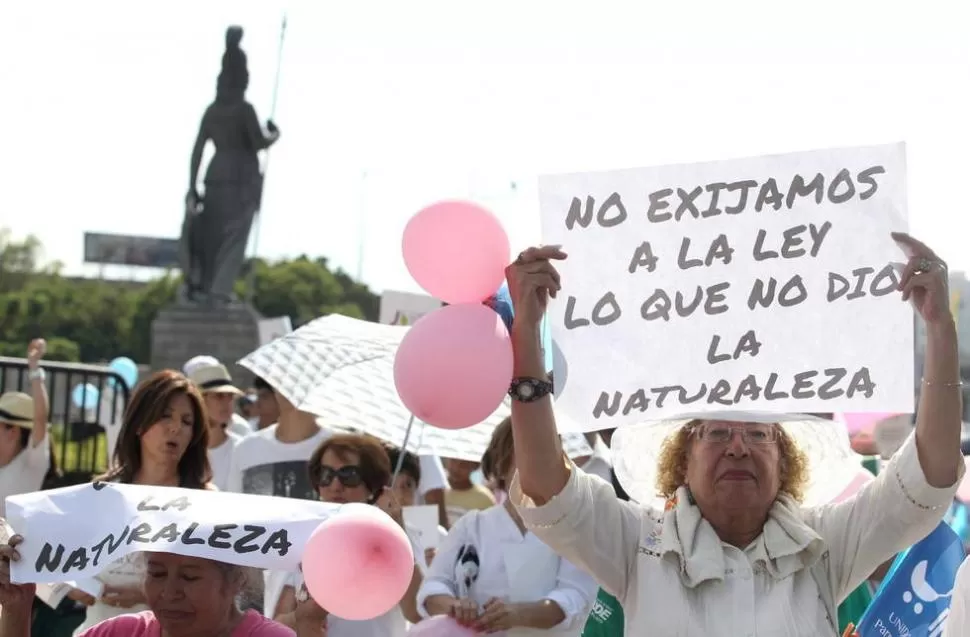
x,y
734,552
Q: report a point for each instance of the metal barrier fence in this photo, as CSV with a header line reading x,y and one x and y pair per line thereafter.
x,y
77,432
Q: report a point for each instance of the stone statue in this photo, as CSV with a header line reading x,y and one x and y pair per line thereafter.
x,y
217,222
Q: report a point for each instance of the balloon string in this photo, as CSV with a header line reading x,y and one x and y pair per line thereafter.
x,y
404,450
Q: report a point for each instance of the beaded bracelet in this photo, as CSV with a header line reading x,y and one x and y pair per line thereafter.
x,y
958,383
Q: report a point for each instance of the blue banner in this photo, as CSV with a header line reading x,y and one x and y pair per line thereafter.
x,y
914,599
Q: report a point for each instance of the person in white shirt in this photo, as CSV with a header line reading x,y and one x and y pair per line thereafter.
x,y
25,450
219,394
273,461
958,622
734,551
354,468
493,575
237,424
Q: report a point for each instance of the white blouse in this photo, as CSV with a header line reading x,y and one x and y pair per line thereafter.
x,y
673,575
485,555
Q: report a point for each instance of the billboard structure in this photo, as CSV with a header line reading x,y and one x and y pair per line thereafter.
x,y
122,249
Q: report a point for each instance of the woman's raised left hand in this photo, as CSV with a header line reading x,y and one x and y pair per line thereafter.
x,y
924,280
35,352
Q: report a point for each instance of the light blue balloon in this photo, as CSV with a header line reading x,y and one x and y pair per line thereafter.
x,y
477,477
545,329
126,368
85,396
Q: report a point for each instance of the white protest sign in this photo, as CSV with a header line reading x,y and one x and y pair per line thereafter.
x,y
404,308
761,284
271,329
423,521
76,532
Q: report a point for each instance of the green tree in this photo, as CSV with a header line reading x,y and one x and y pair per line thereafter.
x,y
95,320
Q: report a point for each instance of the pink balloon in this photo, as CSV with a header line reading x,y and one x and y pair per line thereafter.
x,y
862,478
440,626
457,251
857,422
358,563
454,366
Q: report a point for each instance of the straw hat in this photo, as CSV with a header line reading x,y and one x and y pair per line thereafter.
x,y
214,379
832,463
17,408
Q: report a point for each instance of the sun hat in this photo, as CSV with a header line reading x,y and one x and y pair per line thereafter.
x,y
214,379
832,463
17,408
198,361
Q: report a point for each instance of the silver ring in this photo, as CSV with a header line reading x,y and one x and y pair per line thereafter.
x,y
923,266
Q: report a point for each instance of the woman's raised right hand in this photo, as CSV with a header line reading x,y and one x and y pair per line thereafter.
x,y
533,280
13,595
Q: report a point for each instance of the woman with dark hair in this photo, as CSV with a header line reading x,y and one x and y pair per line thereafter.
x,y
163,442
406,481
218,223
163,438
493,575
354,468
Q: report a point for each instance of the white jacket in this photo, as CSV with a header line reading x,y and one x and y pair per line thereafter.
x,y
958,622
675,577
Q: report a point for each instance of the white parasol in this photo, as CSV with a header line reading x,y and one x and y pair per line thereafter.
x,y
342,370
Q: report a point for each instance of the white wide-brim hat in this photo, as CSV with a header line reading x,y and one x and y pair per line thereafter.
x,y
214,379
17,409
832,463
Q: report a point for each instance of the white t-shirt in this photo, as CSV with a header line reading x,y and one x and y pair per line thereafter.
x,y
958,623
263,465
25,473
240,426
220,458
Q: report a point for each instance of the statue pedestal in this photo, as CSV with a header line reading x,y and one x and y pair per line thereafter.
x,y
184,330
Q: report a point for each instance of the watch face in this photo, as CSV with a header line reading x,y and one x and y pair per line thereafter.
x,y
526,390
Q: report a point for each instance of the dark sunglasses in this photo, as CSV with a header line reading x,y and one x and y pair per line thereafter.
x,y
349,476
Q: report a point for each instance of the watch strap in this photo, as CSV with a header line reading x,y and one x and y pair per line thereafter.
x,y
527,390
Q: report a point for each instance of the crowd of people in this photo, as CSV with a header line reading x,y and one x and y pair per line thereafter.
x,y
700,526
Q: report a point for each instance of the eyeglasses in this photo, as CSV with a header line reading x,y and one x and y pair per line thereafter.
x,y
751,434
349,476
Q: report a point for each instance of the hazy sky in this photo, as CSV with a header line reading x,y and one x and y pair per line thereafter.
x,y
101,102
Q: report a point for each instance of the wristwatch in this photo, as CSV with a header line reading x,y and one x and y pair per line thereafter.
x,y
527,390
37,374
